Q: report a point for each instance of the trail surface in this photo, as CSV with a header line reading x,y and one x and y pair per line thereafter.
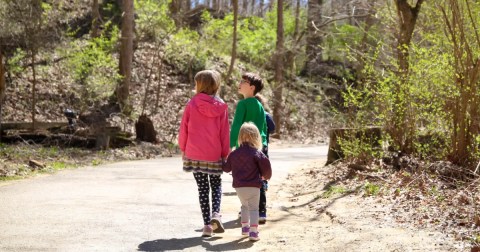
x,y
148,205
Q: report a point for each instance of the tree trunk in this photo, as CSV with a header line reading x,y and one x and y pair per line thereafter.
x,y
156,57
279,53
313,51
297,20
363,46
292,53
34,87
407,16
402,129
234,42
187,5
261,7
244,8
252,7
3,88
126,57
175,12
270,5
95,33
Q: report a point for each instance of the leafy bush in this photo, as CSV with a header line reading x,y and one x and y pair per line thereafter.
x,y
14,63
153,21
92,64
185,51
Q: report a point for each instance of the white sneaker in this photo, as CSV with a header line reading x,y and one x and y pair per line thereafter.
x,y
216,223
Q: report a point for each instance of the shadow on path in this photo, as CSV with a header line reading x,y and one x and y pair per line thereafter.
x,y
184,243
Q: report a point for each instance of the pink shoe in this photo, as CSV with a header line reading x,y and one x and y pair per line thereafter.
x,y
207,231
245,230
253,236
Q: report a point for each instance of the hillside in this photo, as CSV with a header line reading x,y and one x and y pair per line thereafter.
x,y
161,87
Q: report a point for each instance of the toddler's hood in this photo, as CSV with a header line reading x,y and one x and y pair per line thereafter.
x,y
208,105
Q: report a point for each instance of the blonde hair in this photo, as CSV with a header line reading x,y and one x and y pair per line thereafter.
x,y
250,135
208,82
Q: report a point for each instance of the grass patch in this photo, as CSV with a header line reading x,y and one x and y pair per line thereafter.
x,y
334,190
371,189
58,165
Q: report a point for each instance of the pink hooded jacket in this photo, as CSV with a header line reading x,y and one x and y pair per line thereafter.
x,y
204,130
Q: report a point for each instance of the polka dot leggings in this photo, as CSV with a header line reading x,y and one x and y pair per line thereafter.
x,y
204,186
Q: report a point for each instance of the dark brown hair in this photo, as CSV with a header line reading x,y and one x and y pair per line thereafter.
x,y
254,80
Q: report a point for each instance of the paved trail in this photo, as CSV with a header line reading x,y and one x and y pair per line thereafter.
x,y
148,205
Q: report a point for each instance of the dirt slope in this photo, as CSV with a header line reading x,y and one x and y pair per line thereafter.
x,y
302,219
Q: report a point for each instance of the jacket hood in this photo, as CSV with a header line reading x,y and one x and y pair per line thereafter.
x,y
210,106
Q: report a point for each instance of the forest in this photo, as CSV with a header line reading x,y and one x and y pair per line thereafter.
x,y
395,82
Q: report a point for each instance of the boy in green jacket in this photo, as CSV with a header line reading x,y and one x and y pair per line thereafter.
x,y
251,110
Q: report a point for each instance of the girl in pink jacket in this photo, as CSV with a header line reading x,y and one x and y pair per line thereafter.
x,y
204,140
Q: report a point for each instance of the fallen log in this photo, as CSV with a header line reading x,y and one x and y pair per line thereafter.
x,y
28,125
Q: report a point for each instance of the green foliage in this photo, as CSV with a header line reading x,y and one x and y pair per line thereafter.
x,y
217,33
49,151
358,143
185,51
359,149
96,162
423,98
14,64
339,38
153,21
92,64
256,36
371,189
334,190
58,165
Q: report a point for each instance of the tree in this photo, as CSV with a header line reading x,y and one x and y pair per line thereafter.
x,y
403,125
32,33
244,7
126,56
407,17
292,53
313,39
234,42
462,31
261,7
279,55
95,32
176,12
3,87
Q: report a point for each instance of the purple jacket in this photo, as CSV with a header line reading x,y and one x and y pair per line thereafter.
x,y
204,130
248,165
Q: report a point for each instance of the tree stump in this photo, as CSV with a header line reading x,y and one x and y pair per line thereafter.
x,y
370,134
145,130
